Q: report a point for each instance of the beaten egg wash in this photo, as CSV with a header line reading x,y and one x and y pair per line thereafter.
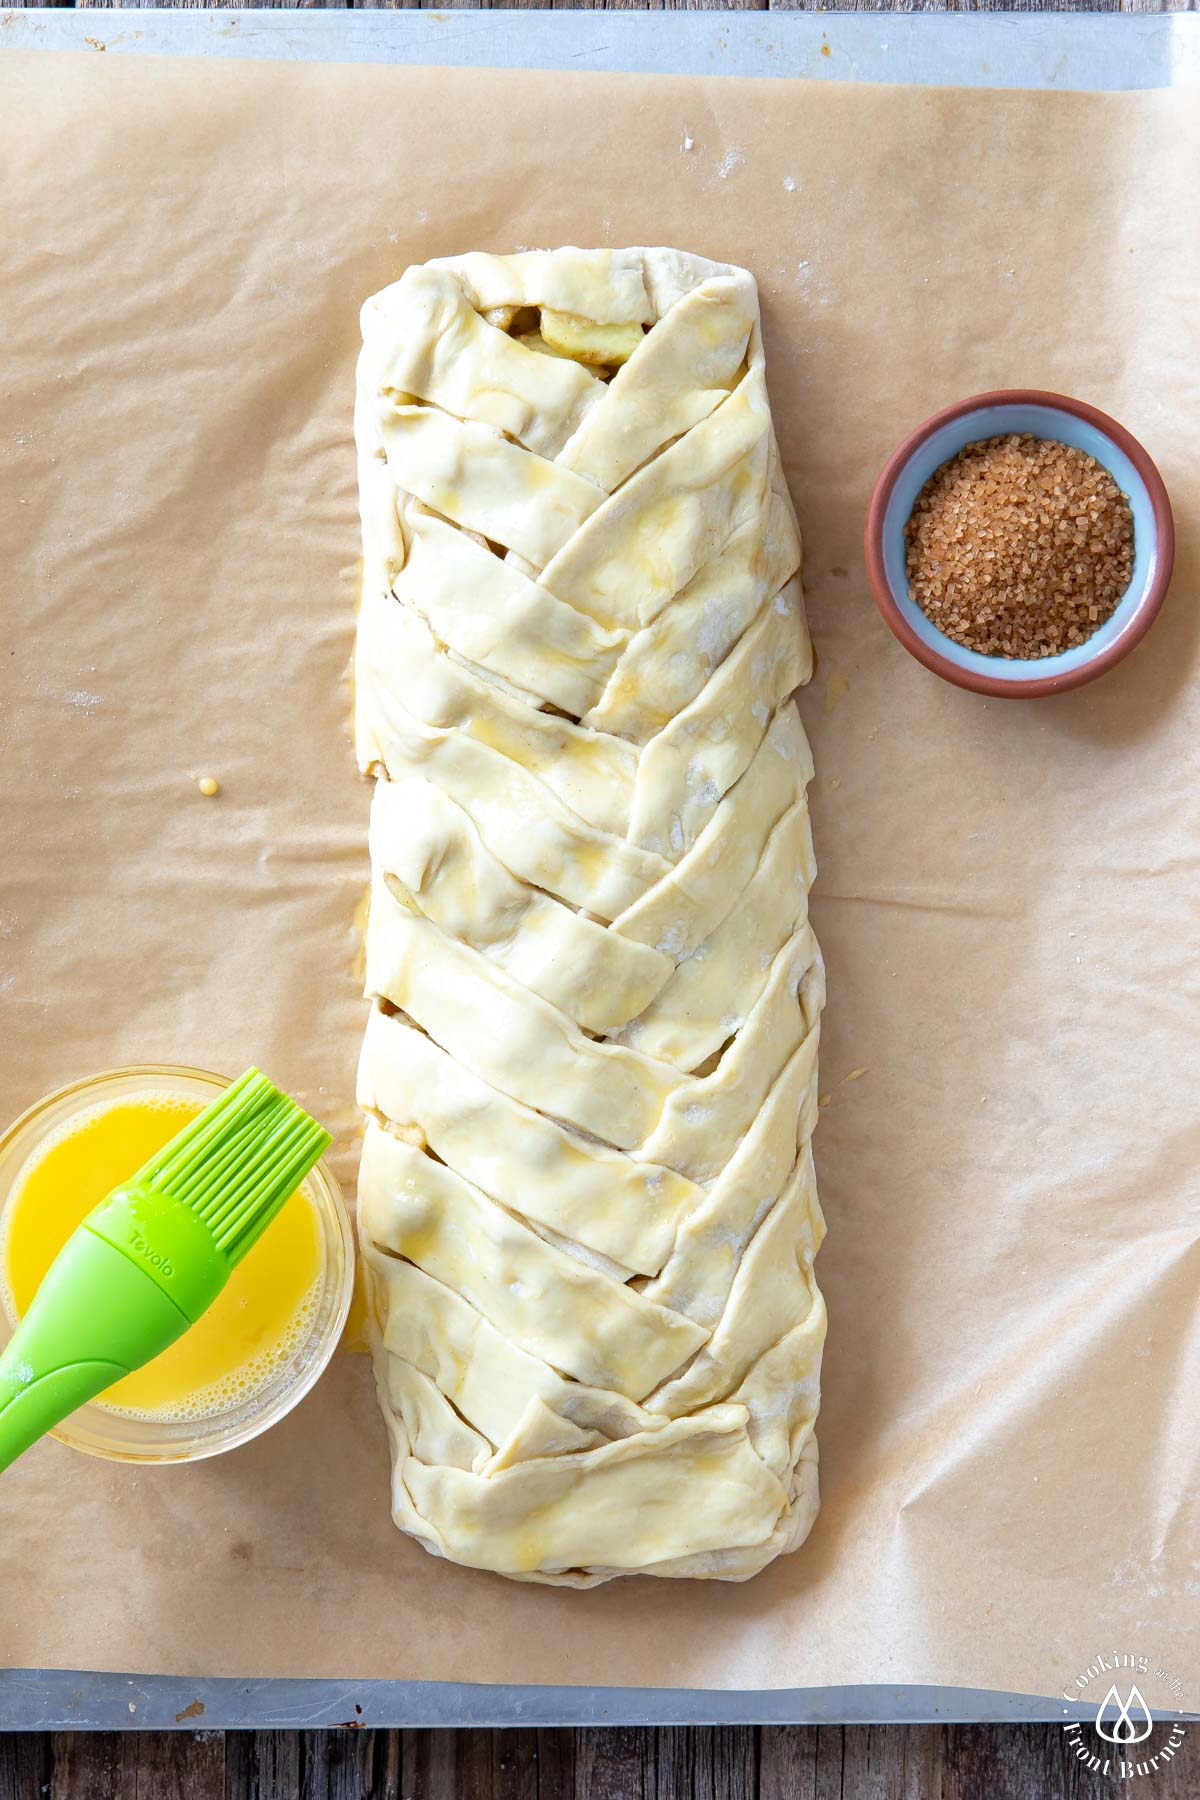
x,y
255,1323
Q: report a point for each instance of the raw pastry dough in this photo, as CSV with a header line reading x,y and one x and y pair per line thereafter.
x,y
587,1203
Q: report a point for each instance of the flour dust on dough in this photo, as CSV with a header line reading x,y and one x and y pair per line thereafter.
x,y
587,1204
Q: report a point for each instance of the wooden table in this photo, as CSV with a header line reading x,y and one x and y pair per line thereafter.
x,y
865,1762
725,1762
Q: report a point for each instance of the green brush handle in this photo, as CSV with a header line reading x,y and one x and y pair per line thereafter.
x,y
128,1282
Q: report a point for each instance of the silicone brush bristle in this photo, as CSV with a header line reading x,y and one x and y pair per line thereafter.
x,y
236,1162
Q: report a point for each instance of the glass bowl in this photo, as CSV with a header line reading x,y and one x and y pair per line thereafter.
x,y
127,1438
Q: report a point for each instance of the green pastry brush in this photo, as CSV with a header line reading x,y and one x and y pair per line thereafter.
x,y
154,1255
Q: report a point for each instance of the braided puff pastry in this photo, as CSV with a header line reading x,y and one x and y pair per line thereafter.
x,y
587,1204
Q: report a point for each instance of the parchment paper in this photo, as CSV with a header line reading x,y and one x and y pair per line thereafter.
x,y
1007,890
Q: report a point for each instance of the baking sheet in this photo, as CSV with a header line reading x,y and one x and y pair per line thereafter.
x,y
54,1700
1008,1431
973,49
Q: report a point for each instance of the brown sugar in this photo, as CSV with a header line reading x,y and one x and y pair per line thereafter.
x,y
1019,547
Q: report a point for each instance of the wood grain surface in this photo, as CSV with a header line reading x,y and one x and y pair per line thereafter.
x,y
876,1762
786,1762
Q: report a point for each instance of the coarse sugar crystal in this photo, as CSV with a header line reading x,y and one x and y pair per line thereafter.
x,y
1019,547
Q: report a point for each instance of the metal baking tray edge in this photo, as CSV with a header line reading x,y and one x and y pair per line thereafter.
x,y
67,1700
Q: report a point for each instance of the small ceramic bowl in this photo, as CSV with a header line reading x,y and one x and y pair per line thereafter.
x,y
1043,416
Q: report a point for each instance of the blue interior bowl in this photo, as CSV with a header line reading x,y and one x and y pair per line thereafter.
x,y
1043,417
